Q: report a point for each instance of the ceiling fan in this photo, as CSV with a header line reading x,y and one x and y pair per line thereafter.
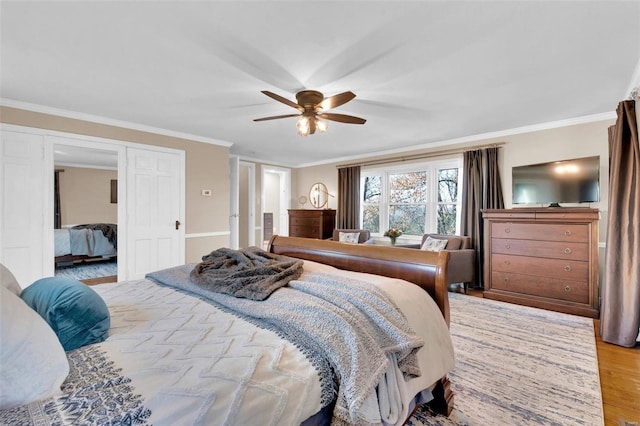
x,y
311,105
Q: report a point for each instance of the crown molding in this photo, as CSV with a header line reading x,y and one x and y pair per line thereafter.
x,y
466,139
473,138
109,121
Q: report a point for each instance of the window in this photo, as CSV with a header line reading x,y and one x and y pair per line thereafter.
x,y
418,199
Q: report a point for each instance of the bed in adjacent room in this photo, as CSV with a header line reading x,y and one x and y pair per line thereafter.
x,y
333,344
87,241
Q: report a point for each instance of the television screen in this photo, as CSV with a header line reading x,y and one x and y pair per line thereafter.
x,y
567,181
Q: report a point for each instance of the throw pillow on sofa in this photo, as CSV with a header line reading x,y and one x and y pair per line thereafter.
x,y
433,244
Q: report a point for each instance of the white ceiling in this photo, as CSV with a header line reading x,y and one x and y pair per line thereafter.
x,y
423,71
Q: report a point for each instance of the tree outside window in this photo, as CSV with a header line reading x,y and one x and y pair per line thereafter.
x,y
372,195
407,202
417,200
447,201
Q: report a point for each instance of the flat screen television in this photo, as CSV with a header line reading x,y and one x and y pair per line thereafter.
x,y
566,181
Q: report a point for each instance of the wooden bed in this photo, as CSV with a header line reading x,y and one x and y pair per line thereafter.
x,y
93,245
423,268
352,338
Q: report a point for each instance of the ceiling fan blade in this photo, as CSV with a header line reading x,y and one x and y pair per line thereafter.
x,y
342,118
337,100
283,100
275,117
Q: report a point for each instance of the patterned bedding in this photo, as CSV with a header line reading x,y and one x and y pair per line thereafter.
x,y
82,242
174,358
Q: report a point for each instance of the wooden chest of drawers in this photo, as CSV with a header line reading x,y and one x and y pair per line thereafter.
x,y
547,258
312,223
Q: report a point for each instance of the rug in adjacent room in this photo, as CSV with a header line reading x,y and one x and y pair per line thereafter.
x,y
87,270
517,365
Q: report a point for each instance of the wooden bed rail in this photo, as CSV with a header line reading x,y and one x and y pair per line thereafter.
x,y
423,268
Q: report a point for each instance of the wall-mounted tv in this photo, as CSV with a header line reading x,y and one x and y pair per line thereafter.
x,y
566,181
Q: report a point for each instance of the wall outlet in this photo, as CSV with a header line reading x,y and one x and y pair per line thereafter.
x,y
206,192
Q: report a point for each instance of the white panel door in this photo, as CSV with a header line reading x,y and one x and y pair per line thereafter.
x,y
155,211
23,227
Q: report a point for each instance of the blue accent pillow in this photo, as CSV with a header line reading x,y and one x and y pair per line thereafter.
x,y
75,312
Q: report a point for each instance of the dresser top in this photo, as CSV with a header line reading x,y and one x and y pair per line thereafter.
x,y
547,213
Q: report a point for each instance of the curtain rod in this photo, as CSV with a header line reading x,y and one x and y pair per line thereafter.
x,y
420,156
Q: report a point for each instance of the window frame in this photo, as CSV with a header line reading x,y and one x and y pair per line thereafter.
x,y
431,216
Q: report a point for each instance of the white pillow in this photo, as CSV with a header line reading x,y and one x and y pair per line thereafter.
x,y
33,363
433,244
7,280
349,237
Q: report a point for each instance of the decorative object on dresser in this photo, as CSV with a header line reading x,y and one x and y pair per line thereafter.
x,y
312,223
546,258
319,195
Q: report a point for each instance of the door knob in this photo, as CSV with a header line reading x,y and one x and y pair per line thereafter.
x,y
177,224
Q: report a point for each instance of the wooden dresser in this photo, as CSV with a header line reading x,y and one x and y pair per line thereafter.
x,y
312,223
547,258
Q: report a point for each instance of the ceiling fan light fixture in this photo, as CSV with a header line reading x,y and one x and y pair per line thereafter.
x,y
303,126
321,125
311,105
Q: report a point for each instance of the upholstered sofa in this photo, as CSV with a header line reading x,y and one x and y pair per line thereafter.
x,y
364,234
462,258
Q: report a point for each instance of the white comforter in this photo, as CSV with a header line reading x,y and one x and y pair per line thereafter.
x,y
195,364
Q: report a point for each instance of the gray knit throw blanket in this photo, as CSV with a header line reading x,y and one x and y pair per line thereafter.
x,y
251,273
352,323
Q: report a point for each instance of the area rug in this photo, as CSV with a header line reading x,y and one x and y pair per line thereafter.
x,y
86,270
517,365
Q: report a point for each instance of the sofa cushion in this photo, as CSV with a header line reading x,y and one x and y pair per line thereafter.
x,y
349,237
363,236
455,242
433,244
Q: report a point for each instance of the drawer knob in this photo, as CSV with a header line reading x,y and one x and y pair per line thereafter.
x,y
507,246
507,230
567,268
506,262
567,250
567,232
506,279
567,289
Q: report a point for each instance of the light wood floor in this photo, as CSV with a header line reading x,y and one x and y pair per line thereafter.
x,y
101,280
619,379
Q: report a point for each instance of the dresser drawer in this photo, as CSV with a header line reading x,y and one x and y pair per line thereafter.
x,y
554,288
304,231
564,269
537,231
304,221
535,248
586,215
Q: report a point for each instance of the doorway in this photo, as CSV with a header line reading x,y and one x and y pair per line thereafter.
x,y
247,204
85,208
276,198
85,205
151,202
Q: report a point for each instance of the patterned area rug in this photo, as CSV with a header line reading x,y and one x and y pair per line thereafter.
x,y
517,365
86,270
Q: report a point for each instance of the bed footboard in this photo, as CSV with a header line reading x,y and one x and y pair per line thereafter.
x,y
423,268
